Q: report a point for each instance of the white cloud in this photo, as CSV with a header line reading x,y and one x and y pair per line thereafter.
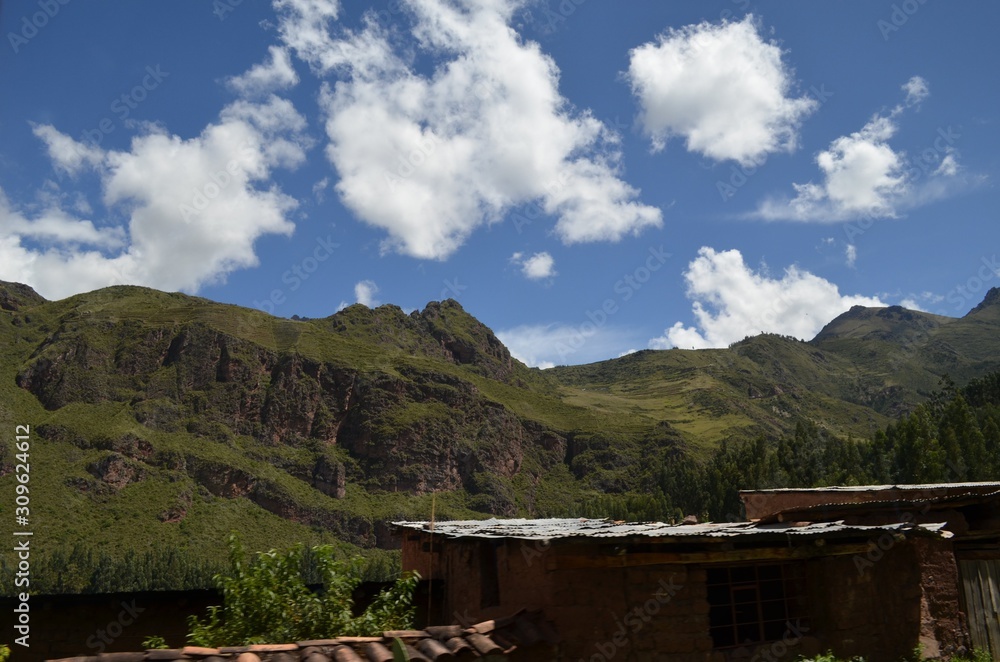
x,y
949,165
536,267
732,301
916,90
851,254
276,74
319,189
65,153
193,207
431,157
548,345
53,224
365,291
863,176
911,304
722,88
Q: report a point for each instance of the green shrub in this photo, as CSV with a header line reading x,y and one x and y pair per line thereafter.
x,y
830,657
267,600
154,642
976,655
4,653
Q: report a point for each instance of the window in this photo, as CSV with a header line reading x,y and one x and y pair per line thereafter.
x,y
489,595
753,603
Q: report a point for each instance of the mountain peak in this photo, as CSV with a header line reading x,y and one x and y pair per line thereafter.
x,y
15,296
992,299
891,322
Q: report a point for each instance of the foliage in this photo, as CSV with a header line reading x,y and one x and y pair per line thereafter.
x,y
154,642
268,598
4,653
976,655
160,384
946,439
84,569
830,657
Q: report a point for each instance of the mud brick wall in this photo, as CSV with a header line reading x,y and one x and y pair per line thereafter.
x,y
880,606
883,605
943,625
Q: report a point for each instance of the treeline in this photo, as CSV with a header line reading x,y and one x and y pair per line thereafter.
x,y
84,569
953,437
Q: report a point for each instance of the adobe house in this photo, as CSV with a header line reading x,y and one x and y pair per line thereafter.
x,y
703,592
970,560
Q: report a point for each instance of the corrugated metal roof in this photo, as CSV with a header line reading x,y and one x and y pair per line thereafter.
x,y
810,511
878,488
550,529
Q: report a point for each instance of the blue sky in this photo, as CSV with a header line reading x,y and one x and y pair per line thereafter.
x,y
585,177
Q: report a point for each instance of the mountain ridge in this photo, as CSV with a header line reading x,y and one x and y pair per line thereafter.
x,y
168,416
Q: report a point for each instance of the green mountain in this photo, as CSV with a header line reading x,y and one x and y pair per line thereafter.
x,y
164,421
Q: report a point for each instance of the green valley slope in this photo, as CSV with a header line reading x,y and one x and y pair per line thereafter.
x,y
168,420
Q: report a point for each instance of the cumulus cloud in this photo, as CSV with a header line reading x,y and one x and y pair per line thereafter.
x,y
537,266
732,301
276,74
430,157
365,292
192,208
53,224
720,87
65,153
863,176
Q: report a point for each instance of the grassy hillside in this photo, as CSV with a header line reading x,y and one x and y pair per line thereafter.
x,y
164,421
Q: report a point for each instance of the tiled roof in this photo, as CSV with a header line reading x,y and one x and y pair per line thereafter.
x,y
549,529
525,635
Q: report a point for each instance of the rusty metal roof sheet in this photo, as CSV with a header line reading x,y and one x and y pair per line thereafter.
x,y
549,529
930,487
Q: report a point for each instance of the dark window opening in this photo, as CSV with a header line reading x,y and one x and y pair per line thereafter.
x,y
752,604
490,581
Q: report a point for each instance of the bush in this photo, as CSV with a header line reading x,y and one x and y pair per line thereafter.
x,y
268,600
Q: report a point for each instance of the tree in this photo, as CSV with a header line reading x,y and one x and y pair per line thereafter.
x,y
267,599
